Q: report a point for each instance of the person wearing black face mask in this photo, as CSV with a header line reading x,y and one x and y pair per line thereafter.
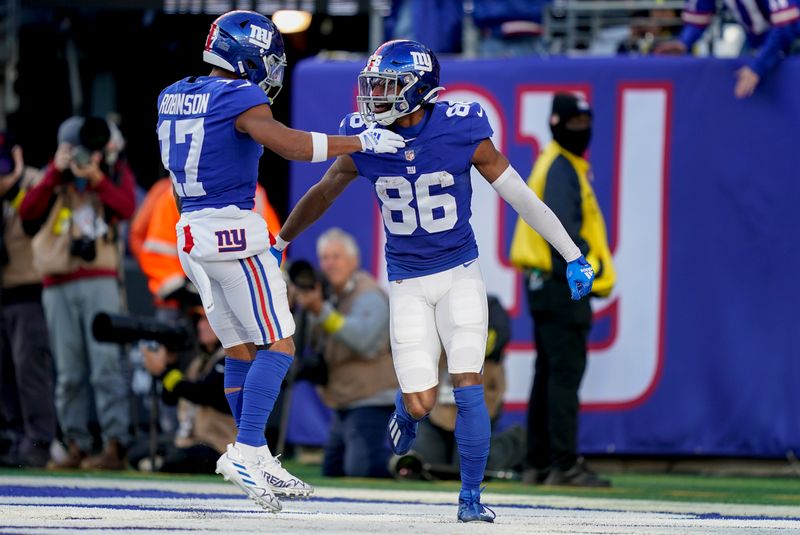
x,y
561,178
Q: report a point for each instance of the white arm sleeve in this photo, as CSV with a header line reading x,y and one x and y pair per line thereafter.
x,y
510,186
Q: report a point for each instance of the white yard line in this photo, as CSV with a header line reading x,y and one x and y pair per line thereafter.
x,y
48,505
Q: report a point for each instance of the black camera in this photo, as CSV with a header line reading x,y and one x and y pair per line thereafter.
x,y
303,275
119,329
84,248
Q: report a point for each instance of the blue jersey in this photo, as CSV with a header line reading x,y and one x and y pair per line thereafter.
x,y
424,190
752,15
212,164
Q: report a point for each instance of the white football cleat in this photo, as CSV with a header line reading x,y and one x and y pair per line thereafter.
x,y
249,477
280,480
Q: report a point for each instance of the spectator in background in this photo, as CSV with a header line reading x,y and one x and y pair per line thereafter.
x,y
435,446
437,24
137,232
352,330
86,190
25,349
205,424
645,30
165,310
771,28
561,326
509,27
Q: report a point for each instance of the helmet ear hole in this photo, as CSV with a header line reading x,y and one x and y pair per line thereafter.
x,y
250,64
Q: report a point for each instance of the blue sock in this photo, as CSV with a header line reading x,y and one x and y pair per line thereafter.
x,y
400,407
235,374
261,389
473,433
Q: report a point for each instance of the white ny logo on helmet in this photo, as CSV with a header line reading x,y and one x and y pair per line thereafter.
x,y
422,61
260,36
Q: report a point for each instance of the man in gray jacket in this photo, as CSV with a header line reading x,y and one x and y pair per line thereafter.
x,y
351,328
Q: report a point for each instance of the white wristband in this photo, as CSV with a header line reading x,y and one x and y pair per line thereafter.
x,y
280,243
319,147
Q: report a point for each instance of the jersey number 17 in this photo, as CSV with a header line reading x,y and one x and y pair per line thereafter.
x,y
174,151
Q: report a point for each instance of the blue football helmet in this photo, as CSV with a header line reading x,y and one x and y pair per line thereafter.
x,y
399,78
248,44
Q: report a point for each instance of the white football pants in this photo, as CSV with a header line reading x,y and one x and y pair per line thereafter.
x,y
447,308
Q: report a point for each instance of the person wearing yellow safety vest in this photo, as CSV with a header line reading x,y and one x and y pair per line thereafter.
x,y
561,178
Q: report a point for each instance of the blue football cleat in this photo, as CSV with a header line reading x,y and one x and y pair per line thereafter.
x,y
470,508
401,434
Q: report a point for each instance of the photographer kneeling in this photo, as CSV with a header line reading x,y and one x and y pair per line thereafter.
x,y
205,425
351,328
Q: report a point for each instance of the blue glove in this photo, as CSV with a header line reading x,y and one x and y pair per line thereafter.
x,y
580,277
277,254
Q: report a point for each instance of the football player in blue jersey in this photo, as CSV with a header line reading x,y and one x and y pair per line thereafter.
x,y
436,287
211,130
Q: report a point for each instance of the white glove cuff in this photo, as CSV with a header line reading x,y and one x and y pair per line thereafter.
x,y
280,243
510,186
319,147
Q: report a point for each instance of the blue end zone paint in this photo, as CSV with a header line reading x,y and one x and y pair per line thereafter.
x,y
99,492
16,491
94,528
134,507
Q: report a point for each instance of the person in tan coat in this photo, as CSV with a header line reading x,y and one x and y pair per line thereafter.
x,y
85,192
351,328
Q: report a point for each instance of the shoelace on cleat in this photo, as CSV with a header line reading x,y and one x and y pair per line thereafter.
x,y
275,467
476,500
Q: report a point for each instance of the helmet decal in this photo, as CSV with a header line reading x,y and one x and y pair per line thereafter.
x,y
422,61
260,36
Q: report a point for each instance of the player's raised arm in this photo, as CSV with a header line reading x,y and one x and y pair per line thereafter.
x,y
505,180
317,200
292,144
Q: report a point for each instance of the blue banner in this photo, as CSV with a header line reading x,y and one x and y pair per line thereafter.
x,y
695,351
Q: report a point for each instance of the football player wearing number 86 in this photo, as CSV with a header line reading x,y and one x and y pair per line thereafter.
x,y
211,130
436,287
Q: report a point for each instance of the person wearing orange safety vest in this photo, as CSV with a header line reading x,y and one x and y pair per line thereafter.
x,y
137,232
158,252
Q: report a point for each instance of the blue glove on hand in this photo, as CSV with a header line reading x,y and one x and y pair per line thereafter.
x,y
580,277
277,254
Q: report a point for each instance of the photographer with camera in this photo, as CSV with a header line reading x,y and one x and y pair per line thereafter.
x,y
205,424
26,364
86,190
351,329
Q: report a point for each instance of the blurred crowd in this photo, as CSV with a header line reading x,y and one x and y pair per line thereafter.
x,y
70,401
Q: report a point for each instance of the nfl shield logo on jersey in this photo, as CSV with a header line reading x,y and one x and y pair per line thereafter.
x,y
410,155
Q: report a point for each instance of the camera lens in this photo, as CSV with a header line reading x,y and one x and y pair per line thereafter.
x,y
83,248
302,275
